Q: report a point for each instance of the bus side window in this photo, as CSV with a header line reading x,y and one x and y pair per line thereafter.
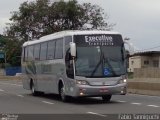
x,y
30,53
23,54
59,49
36,52
43,51
51,50
25,58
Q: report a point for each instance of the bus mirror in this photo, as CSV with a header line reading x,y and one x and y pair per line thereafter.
x,y
73,49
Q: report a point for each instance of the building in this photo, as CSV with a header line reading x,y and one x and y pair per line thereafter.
x,y
148,59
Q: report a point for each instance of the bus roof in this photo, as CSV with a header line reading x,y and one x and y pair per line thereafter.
x,y
67,33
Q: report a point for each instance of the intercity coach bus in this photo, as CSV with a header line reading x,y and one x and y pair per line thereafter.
x,y
76,64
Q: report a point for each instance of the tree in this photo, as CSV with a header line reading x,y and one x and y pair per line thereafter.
x,y
2,42
35,19
12,49
43,17
13,52
2,49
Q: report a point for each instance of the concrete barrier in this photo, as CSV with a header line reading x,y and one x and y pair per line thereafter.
x,y
145,86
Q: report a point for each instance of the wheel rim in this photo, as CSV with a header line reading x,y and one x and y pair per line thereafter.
x,y
62,93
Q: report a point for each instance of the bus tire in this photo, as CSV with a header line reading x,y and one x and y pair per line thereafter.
x,y
64,97
32,86
106,98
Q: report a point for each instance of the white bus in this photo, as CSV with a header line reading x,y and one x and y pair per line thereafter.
x,y
76,64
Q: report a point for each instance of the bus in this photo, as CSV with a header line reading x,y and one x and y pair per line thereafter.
x,y
76,64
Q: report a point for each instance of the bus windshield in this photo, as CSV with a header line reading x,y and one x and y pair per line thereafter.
x,y
100,61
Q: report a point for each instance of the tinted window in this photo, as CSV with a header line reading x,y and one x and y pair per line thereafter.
x,y
36,51
59,49
30,53
51,50
43,53
25,54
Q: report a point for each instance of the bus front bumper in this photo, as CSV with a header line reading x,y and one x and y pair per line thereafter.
x,y
86,90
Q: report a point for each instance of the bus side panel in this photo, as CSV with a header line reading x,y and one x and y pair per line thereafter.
x,y
25,79
48,75
59,71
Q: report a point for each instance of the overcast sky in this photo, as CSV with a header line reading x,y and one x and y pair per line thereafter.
x,y
137,19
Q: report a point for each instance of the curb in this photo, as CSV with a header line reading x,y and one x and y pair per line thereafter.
x,y
10,78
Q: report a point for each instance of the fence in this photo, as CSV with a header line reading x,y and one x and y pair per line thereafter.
x,y
11,71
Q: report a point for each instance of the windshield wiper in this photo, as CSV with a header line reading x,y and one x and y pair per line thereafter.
x,y
101,59
96,68
104,60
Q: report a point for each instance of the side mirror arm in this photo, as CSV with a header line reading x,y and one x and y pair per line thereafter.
x,y
131,48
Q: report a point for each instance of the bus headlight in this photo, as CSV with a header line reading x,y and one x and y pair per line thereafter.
x,y
122,81
81,82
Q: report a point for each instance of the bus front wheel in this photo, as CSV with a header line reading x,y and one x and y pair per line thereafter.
x,y
64,98
34,92
106,98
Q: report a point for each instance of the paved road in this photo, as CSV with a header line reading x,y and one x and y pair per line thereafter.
x,y
16,100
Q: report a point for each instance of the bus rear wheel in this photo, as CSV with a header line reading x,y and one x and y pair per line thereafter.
x,y
106,98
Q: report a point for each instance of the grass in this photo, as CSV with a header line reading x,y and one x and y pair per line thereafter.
x,y
130,75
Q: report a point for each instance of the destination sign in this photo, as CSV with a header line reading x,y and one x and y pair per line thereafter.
x,y
98,40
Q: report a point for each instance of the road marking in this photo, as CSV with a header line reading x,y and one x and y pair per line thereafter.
x,y
48,102
1,90
144,96
121,101
136,103
153,106
96,114
20,95
11,84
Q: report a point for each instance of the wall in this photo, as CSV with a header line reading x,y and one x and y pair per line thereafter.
x,y
11,71
138,62
147,73
151,59
134,62
2,72
149,86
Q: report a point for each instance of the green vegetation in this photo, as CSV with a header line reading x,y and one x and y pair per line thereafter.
x,y
36,19
43,17
130,75
12,49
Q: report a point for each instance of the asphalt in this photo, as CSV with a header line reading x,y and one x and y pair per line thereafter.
x,y
16,100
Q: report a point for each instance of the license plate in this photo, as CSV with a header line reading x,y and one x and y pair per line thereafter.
x,y
103,90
